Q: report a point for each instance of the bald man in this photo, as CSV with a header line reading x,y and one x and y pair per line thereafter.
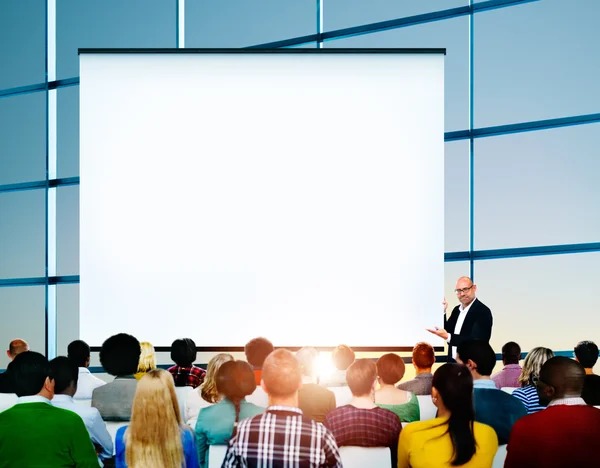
x,y
470,320
15,348
566,433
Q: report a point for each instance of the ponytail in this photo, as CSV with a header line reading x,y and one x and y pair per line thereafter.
x,y
236,404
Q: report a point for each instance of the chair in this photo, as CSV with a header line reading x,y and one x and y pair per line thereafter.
x,y
259,398
343,395
83,402
182,393
426,407
500,457
216,455
361,457
7,400
509,390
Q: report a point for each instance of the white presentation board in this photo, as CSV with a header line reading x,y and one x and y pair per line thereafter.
x,y
293,194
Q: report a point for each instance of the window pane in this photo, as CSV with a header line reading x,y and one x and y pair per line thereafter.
x,y
456,196
22,42
536,61
339,14
240,23
67,230
22,234
110,24
541,301
67,312
23,316
67,131
450,34
23,138
537,188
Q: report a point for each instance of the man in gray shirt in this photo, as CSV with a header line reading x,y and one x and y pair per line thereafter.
x,y
423,358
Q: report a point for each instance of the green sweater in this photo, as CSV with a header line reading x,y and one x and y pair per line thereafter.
x,y
38,434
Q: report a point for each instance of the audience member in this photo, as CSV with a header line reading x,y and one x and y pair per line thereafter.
x,y
66,374
216,424
362,423
207,393
423,357
119,355
563,435
35,433
256,351
454,438
16,347
282,436
184,372
586,353
156,437
342,357
314,400
492,406
510,373
531,369
147,360
78,351
390,369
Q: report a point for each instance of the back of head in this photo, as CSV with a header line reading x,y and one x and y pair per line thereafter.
x,y
423,356
17,347
65,373
390,368
30,371
257,350
147,357
586,353
533,364
78,351
307,358
480,353
120,354
342,357
565,376
209,390
281,374
183,352
361,376
511,353
235,381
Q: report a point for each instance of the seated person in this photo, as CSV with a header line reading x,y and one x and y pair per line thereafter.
x,y
454,438
362,423
256,351
156,436
390,369
119,355
35,433
531,369
423,357
215,425
314,400
147,360
342,357
586,353
16,347
564,434
184,372
510,373
492,406
78,351
66,373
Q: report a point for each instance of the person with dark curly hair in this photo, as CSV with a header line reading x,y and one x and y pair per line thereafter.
x,y
257,351
586,354
184,372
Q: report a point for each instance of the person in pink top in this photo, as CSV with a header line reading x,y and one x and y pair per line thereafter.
x,y
509,375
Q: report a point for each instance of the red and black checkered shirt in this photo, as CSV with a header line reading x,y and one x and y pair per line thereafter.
x,y
187,376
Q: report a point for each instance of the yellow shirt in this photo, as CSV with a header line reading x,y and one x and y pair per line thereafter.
x,y
420,445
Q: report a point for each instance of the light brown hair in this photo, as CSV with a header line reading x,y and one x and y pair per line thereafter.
x,y
281,373
208,390
390,368
360,377
423,355
342,356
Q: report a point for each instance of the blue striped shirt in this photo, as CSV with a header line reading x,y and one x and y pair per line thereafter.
x,y
528,395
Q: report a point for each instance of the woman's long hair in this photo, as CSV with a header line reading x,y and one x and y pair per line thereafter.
x,y
235,381
533,363
147,357
455,386
208,390
153,438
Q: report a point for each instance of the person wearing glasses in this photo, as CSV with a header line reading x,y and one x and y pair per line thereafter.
x,y
470,320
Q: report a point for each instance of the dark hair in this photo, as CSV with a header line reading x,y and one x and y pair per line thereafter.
x,y
257,351
360,376
120,354
390,368
342,356
480,352
586,353
455,386
29,371
183,352
64,371
78,351
511,353
423,355
235,381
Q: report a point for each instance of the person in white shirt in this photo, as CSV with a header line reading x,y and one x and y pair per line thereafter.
x,y
78,351
65,375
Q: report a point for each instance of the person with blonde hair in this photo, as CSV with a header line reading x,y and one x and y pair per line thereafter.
x,y
207,393
532,365
156,437
147,360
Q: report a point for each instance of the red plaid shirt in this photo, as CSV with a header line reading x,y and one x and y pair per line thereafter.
x,y
187,376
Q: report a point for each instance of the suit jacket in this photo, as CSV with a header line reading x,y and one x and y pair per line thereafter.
x,y
477,325
115,399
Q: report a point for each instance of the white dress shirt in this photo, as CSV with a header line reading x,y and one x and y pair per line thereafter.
x,y
459,323
92,420
193,404
86,384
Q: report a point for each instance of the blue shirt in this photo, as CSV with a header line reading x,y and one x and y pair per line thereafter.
x,y
529,397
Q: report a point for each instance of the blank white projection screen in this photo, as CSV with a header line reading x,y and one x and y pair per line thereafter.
x,y
297,196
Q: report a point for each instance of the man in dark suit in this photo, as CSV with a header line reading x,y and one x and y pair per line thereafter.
x,y
470,320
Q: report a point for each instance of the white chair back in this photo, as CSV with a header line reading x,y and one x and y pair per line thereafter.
x,y
259,398
362,457
500,457
343,395
426,407
7,400
112,427
216,455
509,390
182,393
